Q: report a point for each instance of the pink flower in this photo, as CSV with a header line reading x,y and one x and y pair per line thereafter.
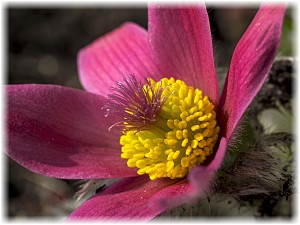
x,y
62,132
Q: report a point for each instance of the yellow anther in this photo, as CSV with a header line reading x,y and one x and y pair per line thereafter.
x,y
184,142
141,163
200,104
176,154
182,137
150,170
148,144
208,141
190,93
188,101
139,147
193,109
184,162
182,124
195,127
206,133
194,143
198,136
209,116
189,118
188,150
139,156
168,151
182,92
170,141
126,155
176,121
183,115
203,125
198,151
170,124
170,135
151,155
197,114
170,156
212,124
216,130
160,165
211,107
131,162
142,170
185,133
202,144
202,118
179,134
169,166
157,150
196,99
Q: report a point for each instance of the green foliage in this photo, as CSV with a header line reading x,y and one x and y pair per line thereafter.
x,y
287,44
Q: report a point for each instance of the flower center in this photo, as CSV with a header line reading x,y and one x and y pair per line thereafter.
x,y
176,131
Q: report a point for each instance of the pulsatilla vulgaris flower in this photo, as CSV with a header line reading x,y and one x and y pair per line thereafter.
x,y
163,110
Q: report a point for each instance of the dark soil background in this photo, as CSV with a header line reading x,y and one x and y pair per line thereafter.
x,y
42,46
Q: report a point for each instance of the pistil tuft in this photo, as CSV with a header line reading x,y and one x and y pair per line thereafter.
x,y
136,105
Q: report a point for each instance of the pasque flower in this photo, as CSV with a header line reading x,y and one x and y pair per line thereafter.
x,y
174,129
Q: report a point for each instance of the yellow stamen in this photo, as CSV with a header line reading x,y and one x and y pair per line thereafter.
x,y
183,135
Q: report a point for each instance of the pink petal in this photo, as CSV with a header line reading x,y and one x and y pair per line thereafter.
x,y
127,199
172,196
143,199
250,65
62,132
181,40
123,51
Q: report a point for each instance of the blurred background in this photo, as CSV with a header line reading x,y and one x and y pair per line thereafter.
x,y
42,46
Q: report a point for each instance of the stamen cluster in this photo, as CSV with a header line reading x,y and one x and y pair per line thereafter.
x,y
182,133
